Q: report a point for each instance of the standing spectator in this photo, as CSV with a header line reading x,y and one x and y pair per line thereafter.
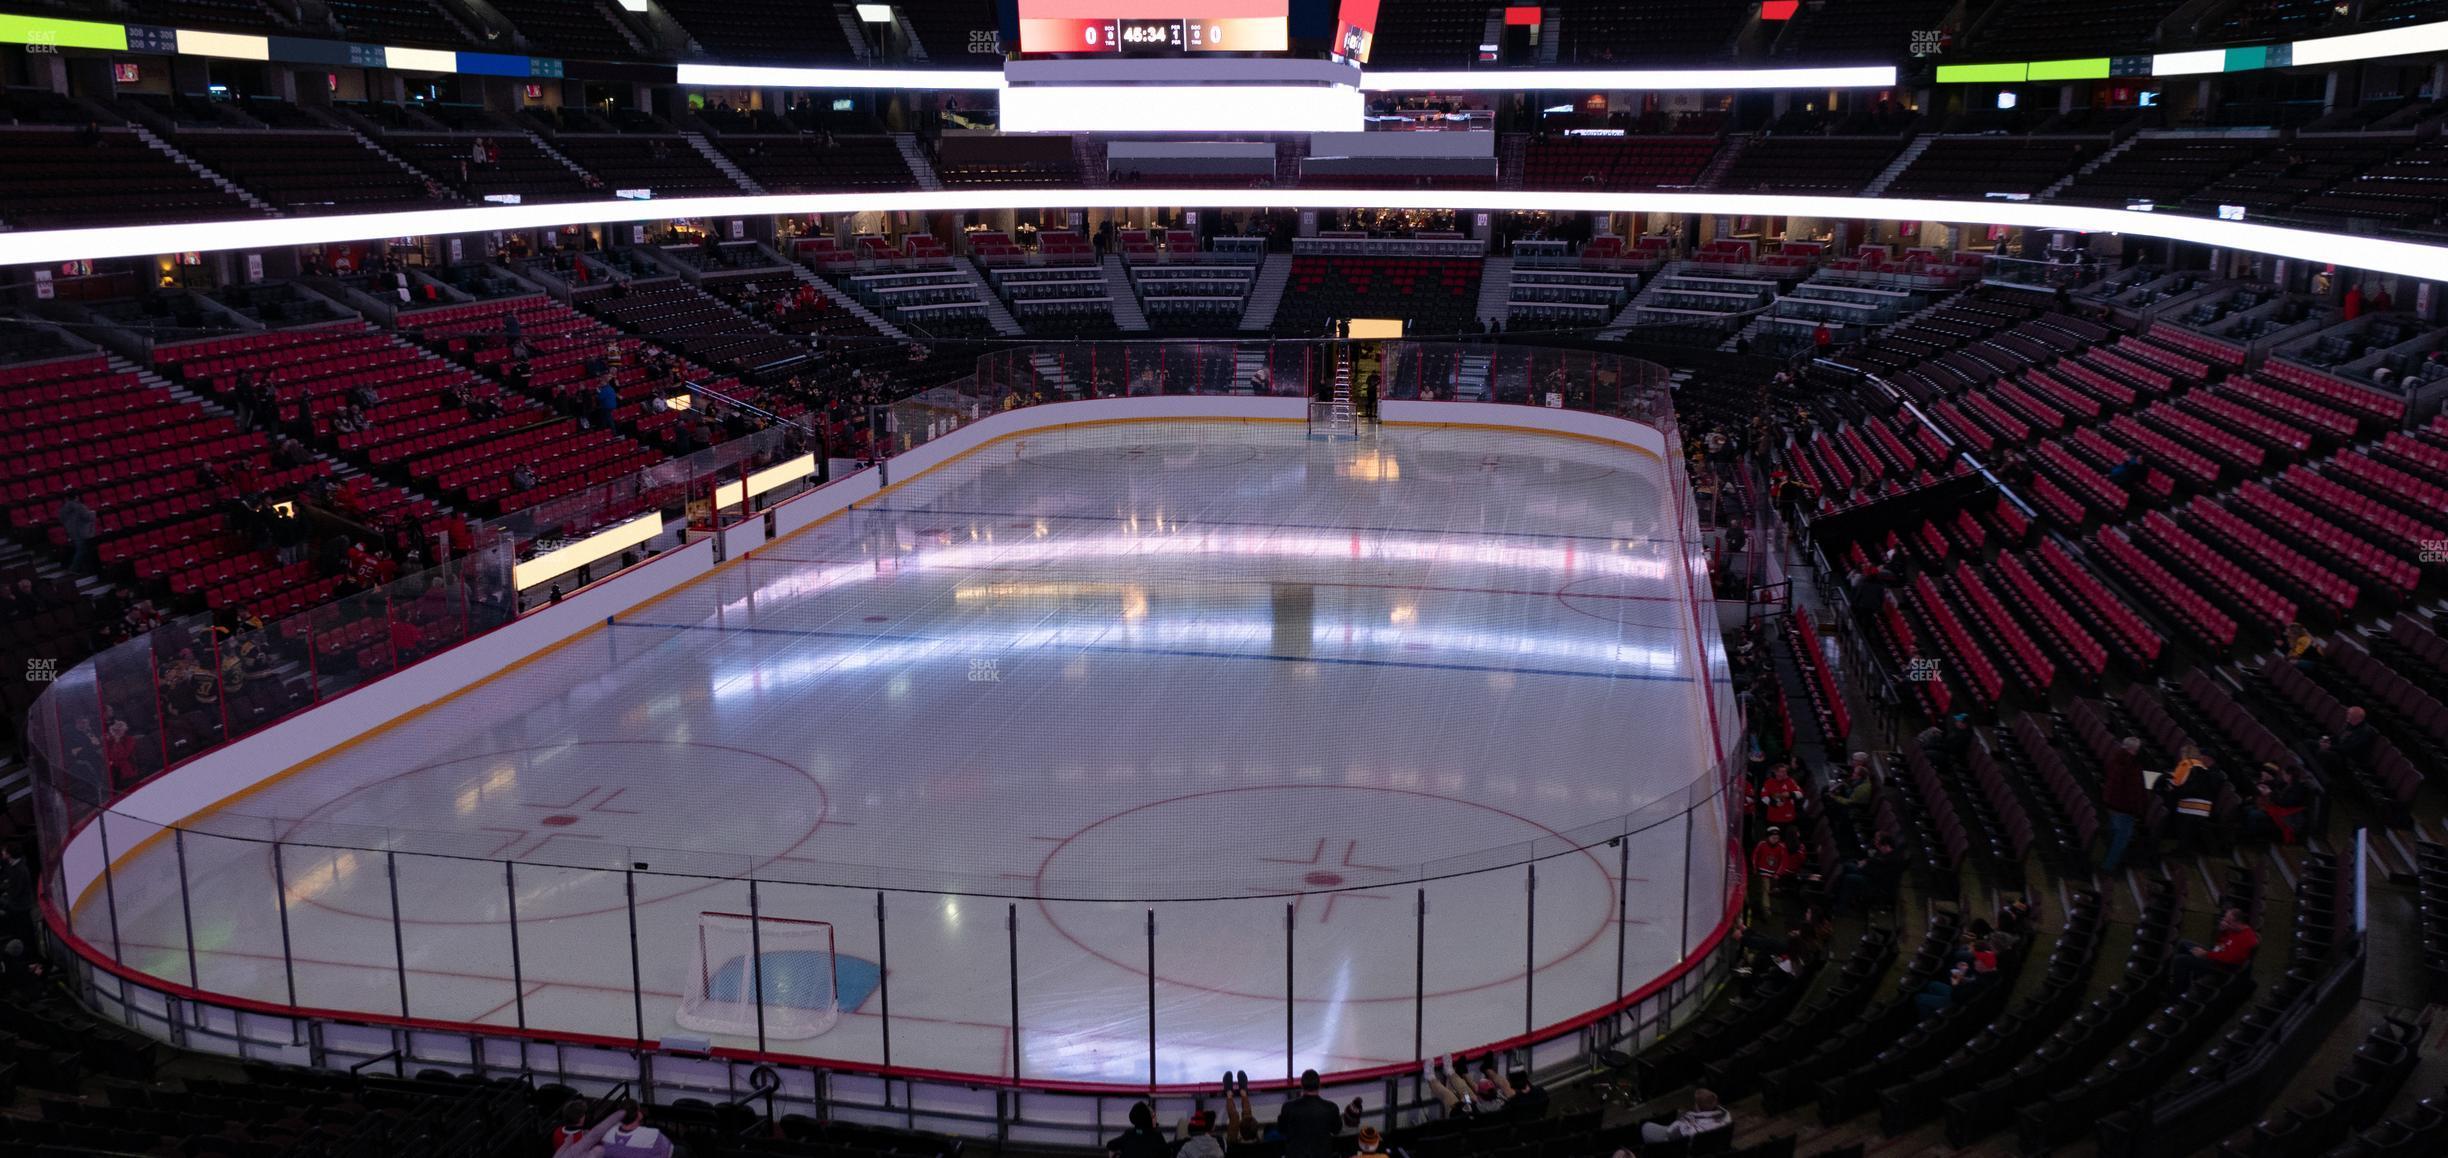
x,y
1143,1139
2125,797
118,745
1773,861
2231,953
607,402
1308,1123
1780,798
2193,793
2354,302
1704,1116
78,520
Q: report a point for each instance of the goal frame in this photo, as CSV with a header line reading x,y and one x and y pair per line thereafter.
x,y
754,1018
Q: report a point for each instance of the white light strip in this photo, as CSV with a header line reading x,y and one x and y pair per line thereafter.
x,y
782,474
420,59
1628,79
600,545
1183,109
1507,80
2371,45
2374,254
764,76
2189,63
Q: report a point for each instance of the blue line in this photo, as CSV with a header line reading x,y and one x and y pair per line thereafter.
x,y
1194,523
1181,653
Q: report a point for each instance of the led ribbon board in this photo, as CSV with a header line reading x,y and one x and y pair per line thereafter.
x,y
2375,254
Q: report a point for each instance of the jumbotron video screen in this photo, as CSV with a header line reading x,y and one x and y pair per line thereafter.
x,y
1154,27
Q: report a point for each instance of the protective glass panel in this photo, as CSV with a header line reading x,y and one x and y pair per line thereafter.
x,y
573,944
1219,989
455,933
130,736
848,920
1084,991
1652,899
702,958
1353,979
1477,947
1705,872
951,981
1573,940
351,642
263,676
236,908
340,919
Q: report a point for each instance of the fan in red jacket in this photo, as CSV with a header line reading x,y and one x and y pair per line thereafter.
x,y
1773,861
1780,797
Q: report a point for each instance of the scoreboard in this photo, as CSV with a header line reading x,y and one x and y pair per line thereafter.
x,y
1153,27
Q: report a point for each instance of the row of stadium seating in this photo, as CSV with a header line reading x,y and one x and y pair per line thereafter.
x,y
2396,180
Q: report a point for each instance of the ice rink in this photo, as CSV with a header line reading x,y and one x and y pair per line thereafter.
x,y
1358,719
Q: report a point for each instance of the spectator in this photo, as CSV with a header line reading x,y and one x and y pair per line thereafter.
x,y
1704,1116
1372,1145
118,745
2193,795
2128,472
22,971
1241,1126
1143,1139
1848,798
1525,1100
1939,995
2302,649
78,520
1198,1138
2231,953
572,1123
1773,861
1780,798
1309,1123
1450,1089
16,891
2353,747
1872,879
523,477
2282,799
607,402
2126,799
633,1138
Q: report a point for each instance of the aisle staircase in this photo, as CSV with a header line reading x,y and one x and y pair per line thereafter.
x,y
998,313
1125,294
1895,168
1496,291
1266,293
853,306
725,164
920,167
200,169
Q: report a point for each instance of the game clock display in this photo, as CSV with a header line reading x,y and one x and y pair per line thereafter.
x,y
1153,33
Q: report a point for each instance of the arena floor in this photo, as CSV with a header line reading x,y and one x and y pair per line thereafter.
x,y
1261,694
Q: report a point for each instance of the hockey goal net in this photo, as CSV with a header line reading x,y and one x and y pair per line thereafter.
x,y
790,962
